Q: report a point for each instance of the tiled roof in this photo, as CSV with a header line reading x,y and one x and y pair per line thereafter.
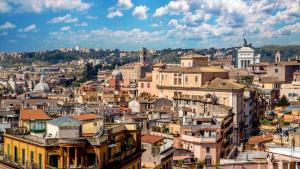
x,y
269,79
262,138
88,116
65,121
147,79
31,114
151,138
194,69
219,83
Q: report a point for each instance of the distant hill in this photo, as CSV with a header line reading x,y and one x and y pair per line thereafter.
x,y
268,51
168,55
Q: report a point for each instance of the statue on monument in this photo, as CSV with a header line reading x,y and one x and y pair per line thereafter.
x,y
246,43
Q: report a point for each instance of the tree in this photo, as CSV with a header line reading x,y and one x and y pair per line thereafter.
x,y
283,101
298,99
90,72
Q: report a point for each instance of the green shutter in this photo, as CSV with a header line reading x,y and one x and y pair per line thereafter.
x,y
40,160
31,156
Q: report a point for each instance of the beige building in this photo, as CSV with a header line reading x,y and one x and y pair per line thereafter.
x,y
159,152
187,78
136,70
291,90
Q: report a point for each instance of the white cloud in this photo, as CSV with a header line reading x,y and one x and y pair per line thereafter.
x,y
112,12
4,6
108,37
140,12
65,28
63,19
173,22
116,11
30,28
91,17
160,12
173,7
7,25
3,33
223,20
155,25
83,24
286,30
38,6
127,4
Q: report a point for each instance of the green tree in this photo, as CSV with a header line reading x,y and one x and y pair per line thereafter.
x,y
283,101
90,72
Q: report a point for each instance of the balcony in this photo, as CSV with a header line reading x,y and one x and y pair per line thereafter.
x,y
166,146
16,131
199,139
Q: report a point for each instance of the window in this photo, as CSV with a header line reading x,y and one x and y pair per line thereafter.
x,y
40,160
179,79
23,156
208,161
31,156
276,70
142,85
175,79
207,150
196,79
186,79
138,166
148,85
16,154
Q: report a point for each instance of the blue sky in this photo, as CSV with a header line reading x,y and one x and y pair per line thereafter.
x,y
130,24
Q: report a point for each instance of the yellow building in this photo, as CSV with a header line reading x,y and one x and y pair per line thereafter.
x,y
117,146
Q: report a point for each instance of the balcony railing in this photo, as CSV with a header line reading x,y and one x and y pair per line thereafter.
x,y
16,131
198,139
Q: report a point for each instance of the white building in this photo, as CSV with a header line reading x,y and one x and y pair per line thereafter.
x,y
77,47
63,127
247,56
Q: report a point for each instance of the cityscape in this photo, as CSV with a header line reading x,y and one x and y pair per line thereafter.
x,y
135,84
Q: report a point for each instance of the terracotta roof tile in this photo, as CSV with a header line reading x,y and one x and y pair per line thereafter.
x,y
262,138
31,114
88,116
151,138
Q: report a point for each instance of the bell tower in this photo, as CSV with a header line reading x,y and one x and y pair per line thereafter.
x,y
143,53
277,56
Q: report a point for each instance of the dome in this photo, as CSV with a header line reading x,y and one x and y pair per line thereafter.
x,y
41,86
117,73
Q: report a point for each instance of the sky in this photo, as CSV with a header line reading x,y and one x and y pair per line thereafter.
x,y
31,25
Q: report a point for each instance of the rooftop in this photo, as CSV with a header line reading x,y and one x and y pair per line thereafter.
x,y
33,114
65,121
262,138
194,69
88,116
151,138
219,83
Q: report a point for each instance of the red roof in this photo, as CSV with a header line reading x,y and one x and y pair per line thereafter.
x,y
151,138
33,114
88,116
260,139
